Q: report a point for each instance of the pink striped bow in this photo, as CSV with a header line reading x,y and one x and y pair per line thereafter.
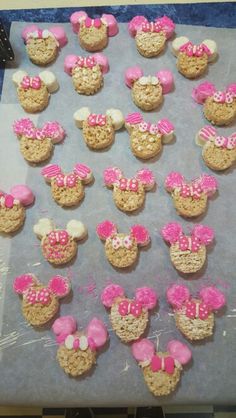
x,y
92,22
34,296
118,242
225,142
191,190
195,50
99,120
60,237
86,61
152,27
82,170
166,364
31,82
134,308
189,243
66,180
223,97
128,184
6,200
150,127
196,310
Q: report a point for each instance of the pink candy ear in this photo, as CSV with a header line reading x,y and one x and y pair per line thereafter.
x,y
60,35
63,327
167,25
110,293
50,171
146,296
28,29
23,126
141,234
209,184
174,180
76,18
106,229
203,91
23,283
97,331
171,232
132,74
177,295
213,297
204,233
69,63
136,24
166,79
111,175
179,351
23,193
143,350
59,286
111,23
146,177
231,88
102,61
83,171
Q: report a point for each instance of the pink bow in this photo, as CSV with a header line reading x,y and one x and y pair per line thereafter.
x,y
188,243
134,308
167,364
197,310
152,128
92,22
118,242
7,200
128,184
86,61
224,142
152,27
99,120
31,82
38,296
66,180
223,97
194,190
61,237
195,50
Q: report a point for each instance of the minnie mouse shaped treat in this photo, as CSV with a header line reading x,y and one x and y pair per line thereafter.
x,y
67,189
12,207
161,370
194,317
86,72
219,107
59,246
146,138
40,303
42,45
187,253
218,152
77,350
93,34
190,198
151,37
122,249
36,144
147,92
129,317
98,130
34,92
129,193
192,60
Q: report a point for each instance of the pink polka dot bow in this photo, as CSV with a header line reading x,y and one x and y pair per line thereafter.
x,y
197,310
118,242
191,190
148,127
195,50
99,120
92,22
128,184
223,97
66,180
167,364
134,308
225,142
31,82
60,237
38,296
88,62
152,27
189,243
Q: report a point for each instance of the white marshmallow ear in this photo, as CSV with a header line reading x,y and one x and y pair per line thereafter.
x,y
117,118
177,43
76,229
213,48
50,80
81,115
18,77
43,227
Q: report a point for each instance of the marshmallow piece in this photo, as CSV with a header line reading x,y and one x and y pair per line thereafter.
x,y
177,43
117,118
50,80
22,193
213,48
69,342
18,77
81,115
76,229
43,227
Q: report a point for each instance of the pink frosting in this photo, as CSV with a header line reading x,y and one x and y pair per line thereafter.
x,y
143,350
165,126
146,296
177,295
171,232
63,327
207,132
146,177
51,170
209,184
59,34
82,171
140,233
136,24
23,282
111,24
167,25
174,180
23,126
59,286
97,331
102,61
69,63
132,74
231,88
204,90
76,18
111,175
205,234
23,193
166,79
106,229
213,297
110,293
179,351
134,118
54,131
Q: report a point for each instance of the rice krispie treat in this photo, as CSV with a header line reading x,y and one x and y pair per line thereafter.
x,y
187,252
98,129
59,246
129,193
67,189
129,317
86,72
218,152
43,45
77,350
147,91
34,92
36,144
93,34
192,60
122,249
190,197
12,207
161,370
40,303
151,37
219,107
146,138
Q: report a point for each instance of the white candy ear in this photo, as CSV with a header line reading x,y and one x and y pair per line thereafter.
x,y
50,80
177,43
81,115
76,229
18,77
43,227
213,48
117,118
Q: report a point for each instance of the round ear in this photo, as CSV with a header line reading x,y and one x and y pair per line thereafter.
x,y
133,119
111,176
205,234
146,296
50,80
140,234
132,74
64,326
23,126
23,193
18,77
166,129
166,79
24,282
205,134
203,91
209,184
54,131
143,350
102,61
117,118
146,177
211,45
111,23
84,173
81,115
60,35
173,181
76,229
136,24
167,25
106,230
179,351
50,171
213,297
43,227
177,43
69,63
177,294
27,30
171,232
60,286
231,88
76,18
110,294
97,331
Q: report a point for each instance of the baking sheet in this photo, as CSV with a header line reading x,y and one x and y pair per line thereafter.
x,y
28,366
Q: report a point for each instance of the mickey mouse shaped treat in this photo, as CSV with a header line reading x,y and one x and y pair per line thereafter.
x,y
129,193
36,144
40,303
187,253
146,138
194,317
77,350
42,45
190,198
98,130
219,107
129,317
192,60
59,246
12,207
161,370
93,34
122,249
218,152
34,92
86,72
151,37
147,92
67,189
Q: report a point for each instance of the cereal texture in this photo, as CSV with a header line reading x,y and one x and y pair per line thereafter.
x,y
194,329
33,100
93,39
128,200
42,51
121,257
58,254
87,80
145,145
150,44
218,158
35,151
99,137
187,261
188,206
147,97
75,362
39,314
219,113
192,67
11,219
67,196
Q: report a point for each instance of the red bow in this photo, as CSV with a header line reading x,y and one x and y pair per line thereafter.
x,y
61,237
167,364
134,308
196,310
